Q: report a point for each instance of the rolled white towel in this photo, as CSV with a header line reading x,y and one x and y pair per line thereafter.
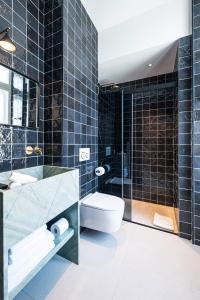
x,y
16,275
59,227
42,238
17,248
32,251
22,178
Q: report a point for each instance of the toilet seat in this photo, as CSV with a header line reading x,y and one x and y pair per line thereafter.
x,y
103,202
101,212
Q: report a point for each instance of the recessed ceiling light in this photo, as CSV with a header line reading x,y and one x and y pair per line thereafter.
x,y
150,65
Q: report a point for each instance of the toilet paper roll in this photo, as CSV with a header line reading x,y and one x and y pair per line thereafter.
x,y
59,227
100,171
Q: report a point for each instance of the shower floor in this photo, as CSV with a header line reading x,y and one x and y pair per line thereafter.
x,y
143,212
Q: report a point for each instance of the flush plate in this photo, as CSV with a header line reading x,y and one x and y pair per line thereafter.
x,y
84,154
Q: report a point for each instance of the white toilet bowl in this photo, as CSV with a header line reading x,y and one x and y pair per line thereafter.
x,y
101,212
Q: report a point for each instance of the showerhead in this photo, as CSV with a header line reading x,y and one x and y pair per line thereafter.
x,y
113,87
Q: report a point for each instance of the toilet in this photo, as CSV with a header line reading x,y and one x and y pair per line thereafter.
x,y
101,212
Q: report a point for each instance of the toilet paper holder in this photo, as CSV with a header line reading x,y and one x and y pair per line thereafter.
x,y
100,171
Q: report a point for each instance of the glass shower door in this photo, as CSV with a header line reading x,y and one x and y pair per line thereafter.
x,y
110,143
127,152
149,153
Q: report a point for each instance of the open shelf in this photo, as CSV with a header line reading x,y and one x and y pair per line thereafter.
x,y
59,243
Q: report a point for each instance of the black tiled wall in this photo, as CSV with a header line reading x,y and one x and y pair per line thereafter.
x,y
184,138
71,77
57,46
53,78
26,20
150,131
110,135
196,123
80,100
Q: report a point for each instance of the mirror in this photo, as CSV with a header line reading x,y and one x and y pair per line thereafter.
x,y
18,99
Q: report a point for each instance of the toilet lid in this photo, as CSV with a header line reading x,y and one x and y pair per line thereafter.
x,y
104,202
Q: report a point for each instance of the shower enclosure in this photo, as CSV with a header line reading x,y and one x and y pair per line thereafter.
x,y
138,132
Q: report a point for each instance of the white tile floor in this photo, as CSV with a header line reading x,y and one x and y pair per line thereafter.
x,y
136,263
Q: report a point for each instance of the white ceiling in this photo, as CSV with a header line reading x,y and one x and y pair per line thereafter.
x,y
107,13
134,33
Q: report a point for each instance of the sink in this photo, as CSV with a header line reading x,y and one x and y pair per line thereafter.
x,y
40,172
28,207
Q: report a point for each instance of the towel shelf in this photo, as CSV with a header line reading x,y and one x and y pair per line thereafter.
x,y
59,243
25,209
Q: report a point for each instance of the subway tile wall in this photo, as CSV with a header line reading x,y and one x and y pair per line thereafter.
x,y
26,21
196,122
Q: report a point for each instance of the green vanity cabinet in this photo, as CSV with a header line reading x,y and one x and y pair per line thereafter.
x,y
28,207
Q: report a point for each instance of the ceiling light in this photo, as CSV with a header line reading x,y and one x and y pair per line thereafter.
x,y
150,65
5,42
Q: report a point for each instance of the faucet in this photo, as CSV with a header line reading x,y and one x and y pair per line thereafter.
x,y
37,150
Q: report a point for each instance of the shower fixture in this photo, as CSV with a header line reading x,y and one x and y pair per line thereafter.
x,y
113,87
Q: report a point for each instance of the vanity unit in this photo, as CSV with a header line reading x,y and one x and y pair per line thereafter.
x,y
26,208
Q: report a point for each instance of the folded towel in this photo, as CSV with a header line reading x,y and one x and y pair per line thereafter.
x,y
42,239
13,185
15,276
163,222
20,245
22,178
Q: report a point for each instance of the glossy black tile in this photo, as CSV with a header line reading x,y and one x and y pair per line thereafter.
x,y
196,123
15,139
149,121
19,9
19,23
64,99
